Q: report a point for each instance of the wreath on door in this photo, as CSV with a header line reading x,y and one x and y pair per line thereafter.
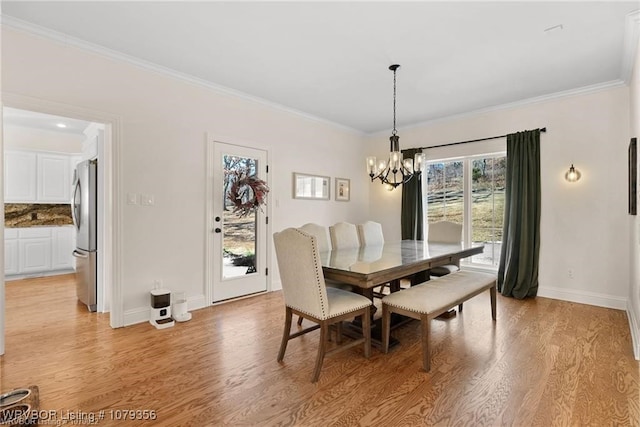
x,y
247,193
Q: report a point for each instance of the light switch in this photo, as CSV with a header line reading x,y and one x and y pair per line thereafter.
x,y
132,199
147,200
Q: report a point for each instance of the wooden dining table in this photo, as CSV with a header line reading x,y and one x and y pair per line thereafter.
x,y
368,267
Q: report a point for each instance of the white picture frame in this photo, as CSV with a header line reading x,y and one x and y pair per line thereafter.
x,y
311,187
343,189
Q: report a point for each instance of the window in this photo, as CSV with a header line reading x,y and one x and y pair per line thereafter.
x,y
470,191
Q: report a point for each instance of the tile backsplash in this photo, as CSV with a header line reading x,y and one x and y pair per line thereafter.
x,y
35,214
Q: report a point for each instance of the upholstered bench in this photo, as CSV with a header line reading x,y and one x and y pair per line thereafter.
x,y
430,299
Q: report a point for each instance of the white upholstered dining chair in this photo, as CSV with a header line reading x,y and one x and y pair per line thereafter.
x,y
444,232
370,233
306,295
344,235
321,233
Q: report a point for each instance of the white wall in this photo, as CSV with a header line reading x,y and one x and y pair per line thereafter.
x,y
584,225
24,138
163,138
634,239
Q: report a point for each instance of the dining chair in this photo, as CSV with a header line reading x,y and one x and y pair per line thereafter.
x,y
370,233
344,235
321,233
444,232
306,295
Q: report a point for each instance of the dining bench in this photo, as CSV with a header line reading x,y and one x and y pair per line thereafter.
x,y
432,298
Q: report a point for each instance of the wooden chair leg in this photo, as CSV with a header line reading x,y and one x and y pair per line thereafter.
x,y
321,350
386,327
285,335
426,355
366,331
492,291
299,320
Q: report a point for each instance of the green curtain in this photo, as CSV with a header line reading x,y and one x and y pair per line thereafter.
x,y
411,214
518,270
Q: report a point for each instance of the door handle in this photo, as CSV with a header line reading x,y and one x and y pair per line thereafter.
x,y
217,230
79,255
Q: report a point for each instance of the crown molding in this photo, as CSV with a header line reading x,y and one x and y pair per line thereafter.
x,y
630,45
517,104
27,27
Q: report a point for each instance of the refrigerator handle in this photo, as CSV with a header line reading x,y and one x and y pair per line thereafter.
x,y
79,255
76,220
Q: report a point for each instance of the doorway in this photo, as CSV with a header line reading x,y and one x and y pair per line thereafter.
x,y
107,151
237,242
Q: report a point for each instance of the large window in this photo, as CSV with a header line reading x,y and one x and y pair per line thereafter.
x,y
470,191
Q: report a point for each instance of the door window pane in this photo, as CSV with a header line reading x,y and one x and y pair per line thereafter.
x,y
239,232
446,193
487,207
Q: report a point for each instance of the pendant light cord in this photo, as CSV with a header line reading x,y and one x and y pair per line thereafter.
x,y
394,132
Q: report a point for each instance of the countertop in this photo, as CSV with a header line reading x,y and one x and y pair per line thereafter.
x,y
23,215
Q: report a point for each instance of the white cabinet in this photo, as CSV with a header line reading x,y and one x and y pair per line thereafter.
x,y
62,246
54,178
34,249
39,250
37,177
20,171
11,251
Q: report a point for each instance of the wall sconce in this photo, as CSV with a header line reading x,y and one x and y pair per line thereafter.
x,y
572,174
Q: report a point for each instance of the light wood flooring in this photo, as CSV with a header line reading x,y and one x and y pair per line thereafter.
x,y
543,363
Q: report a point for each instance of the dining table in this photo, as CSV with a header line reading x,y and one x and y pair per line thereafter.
x,y
368,267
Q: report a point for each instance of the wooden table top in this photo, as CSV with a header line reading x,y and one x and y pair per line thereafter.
x,y
370,266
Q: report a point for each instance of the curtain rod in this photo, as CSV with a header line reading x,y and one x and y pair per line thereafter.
x,y
472,140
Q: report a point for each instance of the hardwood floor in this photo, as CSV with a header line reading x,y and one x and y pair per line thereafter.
x,y
543,363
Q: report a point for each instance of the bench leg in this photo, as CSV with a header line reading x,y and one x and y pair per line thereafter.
x,y
386,327
492,291
426,355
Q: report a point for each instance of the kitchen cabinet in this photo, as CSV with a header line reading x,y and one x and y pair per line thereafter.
x,y
11,251
40,250
62,246
37,177
20,172
54,178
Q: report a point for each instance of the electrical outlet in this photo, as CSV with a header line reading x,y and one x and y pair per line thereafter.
x,y
157,284
570,273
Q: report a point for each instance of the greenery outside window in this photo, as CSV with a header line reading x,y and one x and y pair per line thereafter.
x,y
470,191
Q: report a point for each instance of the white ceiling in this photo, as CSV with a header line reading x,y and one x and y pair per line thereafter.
x,y
31,119
330,59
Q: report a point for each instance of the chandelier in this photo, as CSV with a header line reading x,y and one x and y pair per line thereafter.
x,y
396,170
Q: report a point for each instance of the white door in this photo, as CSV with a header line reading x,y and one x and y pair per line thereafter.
x,y
239,237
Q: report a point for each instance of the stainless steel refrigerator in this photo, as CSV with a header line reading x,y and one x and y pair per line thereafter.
x,y
85,214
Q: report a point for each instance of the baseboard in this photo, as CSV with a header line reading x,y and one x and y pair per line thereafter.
x,y
37,275
634,325
583,297
142,314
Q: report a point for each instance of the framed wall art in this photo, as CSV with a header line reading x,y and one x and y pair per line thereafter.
x,y
312,187
343,189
